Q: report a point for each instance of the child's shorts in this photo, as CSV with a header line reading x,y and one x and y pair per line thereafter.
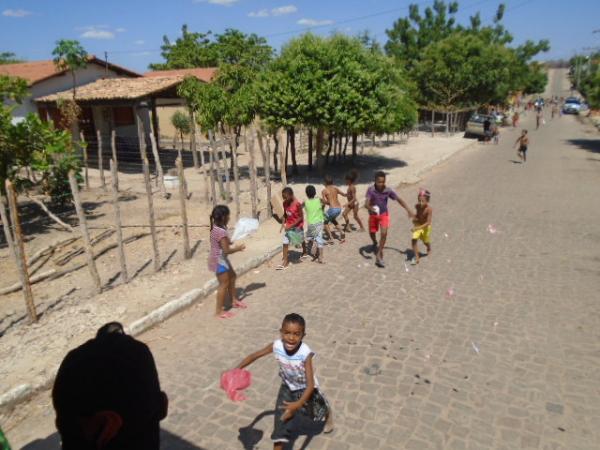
x,y
314,232
331,214
424,234
293,236
378,220
315,409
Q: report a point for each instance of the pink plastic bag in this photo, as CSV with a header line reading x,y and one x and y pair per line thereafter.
x,y
234,381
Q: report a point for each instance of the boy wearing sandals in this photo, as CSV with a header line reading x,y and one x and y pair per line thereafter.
x,y
379,217
299,392
315,219
293,224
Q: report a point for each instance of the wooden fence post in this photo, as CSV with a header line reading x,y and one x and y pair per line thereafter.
x,y
193,140
268,179
19,251
236,175
184,220
223,154
84,232
156,255
215,161
118,227
252,167
282,161
113,146
213,193
204,174
159,168
84,147
6,226
100,160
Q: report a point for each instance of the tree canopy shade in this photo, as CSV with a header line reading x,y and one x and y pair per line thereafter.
x,y
194,49
585,76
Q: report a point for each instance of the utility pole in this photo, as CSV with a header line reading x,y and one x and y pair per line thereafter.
x,y
105,64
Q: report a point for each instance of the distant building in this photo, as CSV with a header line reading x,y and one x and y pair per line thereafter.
x,y
43,79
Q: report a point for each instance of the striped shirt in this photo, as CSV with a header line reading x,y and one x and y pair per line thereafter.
x,y
216,257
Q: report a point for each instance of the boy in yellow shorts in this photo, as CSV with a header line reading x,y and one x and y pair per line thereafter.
x,y
422,225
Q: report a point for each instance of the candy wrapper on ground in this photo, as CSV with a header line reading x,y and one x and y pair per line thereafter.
x,y
244,228
234,381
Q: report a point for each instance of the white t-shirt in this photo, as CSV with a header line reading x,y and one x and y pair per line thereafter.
x,y
291,367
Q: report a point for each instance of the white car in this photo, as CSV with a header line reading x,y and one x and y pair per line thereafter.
x,y
572,106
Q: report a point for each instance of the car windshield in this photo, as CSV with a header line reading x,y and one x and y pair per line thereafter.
x,y
572,100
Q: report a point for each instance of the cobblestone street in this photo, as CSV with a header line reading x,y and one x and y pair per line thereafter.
x,y
490,343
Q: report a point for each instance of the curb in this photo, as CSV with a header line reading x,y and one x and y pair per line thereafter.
x,y
24,392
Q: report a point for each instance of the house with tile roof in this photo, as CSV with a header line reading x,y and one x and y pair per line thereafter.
x,y
43,78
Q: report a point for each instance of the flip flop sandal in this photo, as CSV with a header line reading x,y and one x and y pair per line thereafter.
x,y
281,267
226,315
240,304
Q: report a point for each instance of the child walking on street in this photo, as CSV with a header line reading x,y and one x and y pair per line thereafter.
x,y
422,222
220,248
293,225
352,204
299,392
522,142
315,219
330,197
377,204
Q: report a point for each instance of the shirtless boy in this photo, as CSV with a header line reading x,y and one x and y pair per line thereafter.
x,y
522,141
422,225
330,196
352,204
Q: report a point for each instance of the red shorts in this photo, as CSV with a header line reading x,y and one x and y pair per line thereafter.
x,y
378,220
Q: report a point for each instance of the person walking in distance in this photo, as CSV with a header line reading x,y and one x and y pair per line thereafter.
x,y
379,219
315,218
352,205
422,225
522,143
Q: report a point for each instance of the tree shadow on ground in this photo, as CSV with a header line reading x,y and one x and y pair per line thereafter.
x,y
246,292
590,145
250,437
169,441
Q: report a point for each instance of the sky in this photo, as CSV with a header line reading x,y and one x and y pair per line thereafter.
x,y
131,31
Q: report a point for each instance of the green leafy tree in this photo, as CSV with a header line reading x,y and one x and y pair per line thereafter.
x,y
70,55
188,51
9,58
182,123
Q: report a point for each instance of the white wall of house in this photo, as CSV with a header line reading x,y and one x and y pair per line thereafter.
x,y
61,83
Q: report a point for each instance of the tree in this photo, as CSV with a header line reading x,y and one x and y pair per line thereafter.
x,y
70,55
181,122
9,58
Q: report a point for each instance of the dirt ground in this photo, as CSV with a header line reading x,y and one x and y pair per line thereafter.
x,y
69,309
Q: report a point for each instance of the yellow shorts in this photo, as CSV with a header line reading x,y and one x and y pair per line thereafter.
x,y
424,234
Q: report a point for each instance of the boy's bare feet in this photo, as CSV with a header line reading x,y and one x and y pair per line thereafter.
x,y
328,424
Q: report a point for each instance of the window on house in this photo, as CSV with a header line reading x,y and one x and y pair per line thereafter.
x,y
123,116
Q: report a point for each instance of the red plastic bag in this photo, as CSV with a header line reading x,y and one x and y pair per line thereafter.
x,y
234,381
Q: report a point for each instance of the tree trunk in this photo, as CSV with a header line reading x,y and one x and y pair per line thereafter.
x,y
204,173
275,151
100,160
319,150
193,140
215,160
159,168
113,146
282,162
362,144
6,226
310,149
213,193
223,152
236,176
84,147
432,123
330,146
354,141
268,178
287,148
252,166
293,150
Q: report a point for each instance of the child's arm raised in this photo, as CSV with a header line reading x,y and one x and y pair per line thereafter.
x,y
292,407
254,356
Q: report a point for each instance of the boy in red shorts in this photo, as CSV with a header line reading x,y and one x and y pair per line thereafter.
x,y
379,218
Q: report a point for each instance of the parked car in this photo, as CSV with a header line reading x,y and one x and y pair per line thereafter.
x,y
475,125
572,106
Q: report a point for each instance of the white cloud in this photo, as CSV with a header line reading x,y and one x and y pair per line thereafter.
x,y
261,13
18,13
218,2
120,30
140,42
96,32
314,22
282,10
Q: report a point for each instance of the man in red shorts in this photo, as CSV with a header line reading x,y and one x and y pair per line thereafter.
x,y
379,218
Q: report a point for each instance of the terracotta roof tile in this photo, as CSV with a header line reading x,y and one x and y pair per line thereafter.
x,y
36,71
117,89
205,74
